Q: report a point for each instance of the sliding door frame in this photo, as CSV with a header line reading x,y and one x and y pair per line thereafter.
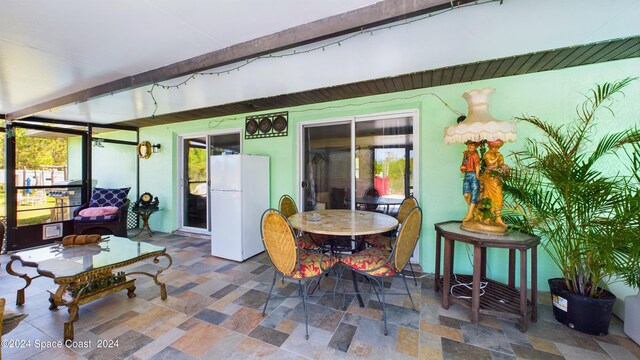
x,y
180,176
300,146
415,115
352,120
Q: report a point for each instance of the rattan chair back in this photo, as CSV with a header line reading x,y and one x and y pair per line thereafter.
x,y
287,206
406,206
408,235
279,241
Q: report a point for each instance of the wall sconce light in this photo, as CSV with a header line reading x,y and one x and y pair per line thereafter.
x,y
155,148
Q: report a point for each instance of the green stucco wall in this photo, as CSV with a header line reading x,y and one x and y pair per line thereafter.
x,y
74,158
549,95
114,165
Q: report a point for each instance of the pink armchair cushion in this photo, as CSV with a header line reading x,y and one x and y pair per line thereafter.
x,y
98,211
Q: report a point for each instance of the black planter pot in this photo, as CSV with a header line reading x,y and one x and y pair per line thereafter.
x,y
582,313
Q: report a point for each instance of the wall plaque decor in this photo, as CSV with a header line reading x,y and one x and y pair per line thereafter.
x,y
266,125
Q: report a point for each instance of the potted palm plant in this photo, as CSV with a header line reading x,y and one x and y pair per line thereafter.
x,y
586,213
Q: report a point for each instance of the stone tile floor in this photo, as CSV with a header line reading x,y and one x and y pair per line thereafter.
x,y
213,311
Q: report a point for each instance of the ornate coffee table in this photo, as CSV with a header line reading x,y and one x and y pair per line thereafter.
x,y
85,273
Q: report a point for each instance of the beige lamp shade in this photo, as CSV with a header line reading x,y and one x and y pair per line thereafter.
x,y
479,124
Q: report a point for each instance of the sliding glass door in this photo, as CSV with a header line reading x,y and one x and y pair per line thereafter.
x,y
327,167
384,163
365,163
195,183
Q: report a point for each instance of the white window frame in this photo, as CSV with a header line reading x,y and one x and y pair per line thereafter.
x,y
180,176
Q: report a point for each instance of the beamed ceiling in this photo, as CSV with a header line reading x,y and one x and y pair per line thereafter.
x,y
554,59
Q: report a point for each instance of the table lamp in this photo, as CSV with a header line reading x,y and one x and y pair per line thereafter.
x,y
482,184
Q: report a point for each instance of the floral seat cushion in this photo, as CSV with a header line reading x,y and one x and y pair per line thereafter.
x,y
380,241
305,242
373,261
312,241
313,264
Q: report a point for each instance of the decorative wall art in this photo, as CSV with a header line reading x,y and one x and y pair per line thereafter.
x,y
266,125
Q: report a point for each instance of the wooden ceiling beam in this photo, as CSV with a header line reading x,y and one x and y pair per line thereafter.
x,y
381,13
518,65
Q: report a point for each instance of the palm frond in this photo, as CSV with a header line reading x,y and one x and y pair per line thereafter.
x,y
606,145
600,97
551,131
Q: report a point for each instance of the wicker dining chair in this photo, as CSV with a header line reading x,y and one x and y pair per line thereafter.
x,y
386,241
306,241
289,260
377,264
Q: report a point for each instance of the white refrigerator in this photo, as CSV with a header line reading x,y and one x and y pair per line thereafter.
x,y
239,196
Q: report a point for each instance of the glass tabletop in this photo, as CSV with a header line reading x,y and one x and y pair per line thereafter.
x,y
68,261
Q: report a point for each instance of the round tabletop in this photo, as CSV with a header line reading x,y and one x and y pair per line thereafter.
x,y
343,222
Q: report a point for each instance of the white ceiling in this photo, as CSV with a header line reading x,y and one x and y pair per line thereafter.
x,y
49,49
52,48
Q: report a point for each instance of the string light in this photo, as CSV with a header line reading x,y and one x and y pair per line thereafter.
x,y
342,106
293,52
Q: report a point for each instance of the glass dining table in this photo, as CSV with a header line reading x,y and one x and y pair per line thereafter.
x,y
348,223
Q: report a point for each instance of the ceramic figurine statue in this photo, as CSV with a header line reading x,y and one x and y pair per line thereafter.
x,y
479,128
490,195
471,183
492,178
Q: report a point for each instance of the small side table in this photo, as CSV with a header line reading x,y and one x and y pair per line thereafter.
x,y
498,299
145,214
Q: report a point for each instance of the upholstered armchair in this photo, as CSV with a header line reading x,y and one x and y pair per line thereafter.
x,y
106,213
